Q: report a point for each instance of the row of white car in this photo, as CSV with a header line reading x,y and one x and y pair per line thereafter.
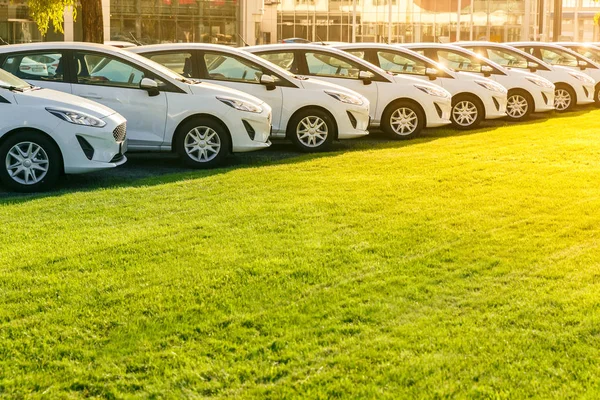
x,y
204,101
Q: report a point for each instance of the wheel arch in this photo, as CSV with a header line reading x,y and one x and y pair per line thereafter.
x,y
189,118
565,84
313,107
16,131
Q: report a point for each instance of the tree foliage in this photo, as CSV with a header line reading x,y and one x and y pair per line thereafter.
x,y
44,12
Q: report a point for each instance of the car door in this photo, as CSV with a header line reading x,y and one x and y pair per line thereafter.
x,y
115,82
32,67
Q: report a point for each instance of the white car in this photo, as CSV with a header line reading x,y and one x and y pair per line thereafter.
x,y
474,98
166,112
44,133
527,92
592,53
565,80
401,105
559,56
309,112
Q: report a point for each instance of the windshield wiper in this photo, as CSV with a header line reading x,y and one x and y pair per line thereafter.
x,y
12,88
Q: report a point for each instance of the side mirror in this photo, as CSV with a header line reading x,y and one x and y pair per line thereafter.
x,y
268,81
487,70
366,77
150,86
583,64
533,66
431,73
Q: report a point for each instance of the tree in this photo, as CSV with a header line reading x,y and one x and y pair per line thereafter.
x,y
44,12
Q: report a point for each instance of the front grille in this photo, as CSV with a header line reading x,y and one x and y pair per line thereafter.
x,y
120,132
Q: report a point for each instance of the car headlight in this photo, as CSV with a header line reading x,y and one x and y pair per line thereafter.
x,y
240,104
540,82
345,98
434,91
77,118
582,77
493,86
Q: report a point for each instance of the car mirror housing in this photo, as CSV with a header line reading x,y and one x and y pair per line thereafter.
x,y
432,73
533,66
268,81
150,86
582,64
487,70
366,77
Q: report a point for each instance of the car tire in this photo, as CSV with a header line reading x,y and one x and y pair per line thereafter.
x,y
565,98
30,162
597,95
402,119
467,112
202,143
311,130
519,105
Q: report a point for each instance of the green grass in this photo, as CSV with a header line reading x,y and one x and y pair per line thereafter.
x,y
456,265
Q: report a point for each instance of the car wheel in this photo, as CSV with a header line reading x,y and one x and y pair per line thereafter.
x,y
31,162
519,104
564,98
597,95
202,143
402,120
467,112
311,130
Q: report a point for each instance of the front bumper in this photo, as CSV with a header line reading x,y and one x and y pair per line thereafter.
x,y
91,149
353,122
543,100
437,113
495,105
585,94
250,132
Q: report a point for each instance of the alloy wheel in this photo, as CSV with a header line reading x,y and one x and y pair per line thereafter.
x,y
516,106
404,121
465,113
312,131
202,144
27,163
562,99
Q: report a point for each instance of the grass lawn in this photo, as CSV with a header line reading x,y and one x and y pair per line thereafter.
x,y
455,265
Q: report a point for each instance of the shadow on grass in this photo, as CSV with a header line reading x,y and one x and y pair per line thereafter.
x,y
147,169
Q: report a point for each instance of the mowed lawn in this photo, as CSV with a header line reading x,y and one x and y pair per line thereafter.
x,y
456,265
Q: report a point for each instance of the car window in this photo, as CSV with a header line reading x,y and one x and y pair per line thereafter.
x,y
329,65
505,58
35,66
283,60
104,70
458,61
400,64
558,57
357,53
179,62
226,67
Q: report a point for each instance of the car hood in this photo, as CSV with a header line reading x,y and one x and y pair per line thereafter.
x,y
55,99
205,88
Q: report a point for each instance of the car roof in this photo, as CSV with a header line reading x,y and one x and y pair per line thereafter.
x,y
190,46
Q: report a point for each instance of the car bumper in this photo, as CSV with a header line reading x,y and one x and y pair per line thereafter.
x,y
353,123
438,112
544,100
585,94
252,131
92,149
495,106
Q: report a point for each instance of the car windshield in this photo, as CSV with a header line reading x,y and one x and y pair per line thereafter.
x,y
506,58
559,57
276,68
10,81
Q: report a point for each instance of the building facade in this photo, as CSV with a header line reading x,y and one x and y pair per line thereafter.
x,y
235,22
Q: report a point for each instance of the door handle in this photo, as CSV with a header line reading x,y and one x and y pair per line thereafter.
x,y
91,96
